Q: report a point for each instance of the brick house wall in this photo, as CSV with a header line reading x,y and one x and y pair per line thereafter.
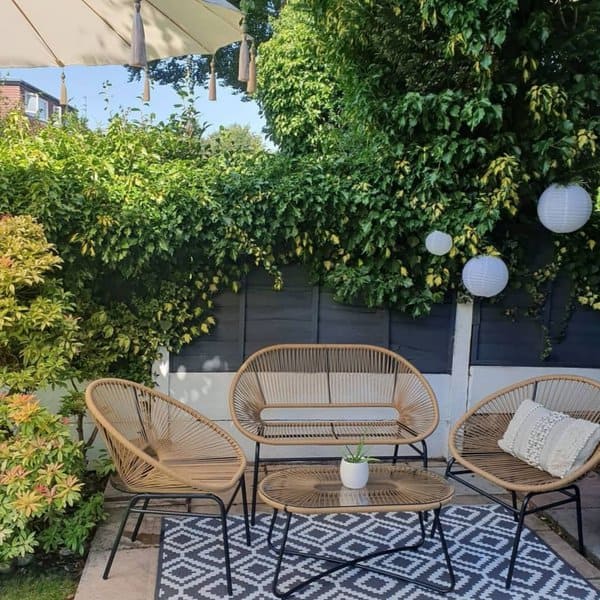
x,y
30,99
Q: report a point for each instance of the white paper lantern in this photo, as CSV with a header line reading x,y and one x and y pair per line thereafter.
x,y
438,243
564,209
485,276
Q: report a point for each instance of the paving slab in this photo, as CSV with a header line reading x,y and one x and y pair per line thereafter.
x,y
132,577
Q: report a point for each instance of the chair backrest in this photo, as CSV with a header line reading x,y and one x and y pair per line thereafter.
x,y
480,428
574,395
146,430
322,376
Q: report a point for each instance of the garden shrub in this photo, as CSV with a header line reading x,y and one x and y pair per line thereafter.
x,y
42,500
38,330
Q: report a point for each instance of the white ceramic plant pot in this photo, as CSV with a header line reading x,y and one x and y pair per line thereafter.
x,y
354,475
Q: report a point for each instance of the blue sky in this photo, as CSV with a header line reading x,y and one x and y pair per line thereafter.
x,y
85,87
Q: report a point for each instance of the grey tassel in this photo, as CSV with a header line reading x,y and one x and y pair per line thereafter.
x,y
212,82
244,57
63,90
146,96
138,39
251,87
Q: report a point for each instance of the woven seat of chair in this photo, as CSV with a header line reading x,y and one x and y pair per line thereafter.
x,y
318,490
325,377
474,438
334,432
160,445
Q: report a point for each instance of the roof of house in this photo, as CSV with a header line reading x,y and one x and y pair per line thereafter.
x,y
31,88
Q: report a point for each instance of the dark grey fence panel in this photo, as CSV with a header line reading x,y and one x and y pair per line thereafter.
x,y
301,313
219,351
428,341
349,324
500,340
278,317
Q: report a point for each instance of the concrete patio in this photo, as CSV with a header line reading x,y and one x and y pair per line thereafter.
x,y
134,570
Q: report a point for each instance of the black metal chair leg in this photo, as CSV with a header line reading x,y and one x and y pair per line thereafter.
x,y
140,518
449,465
113,551
395,458
424,455
517,539
255,481
225,545
513,496
579,521
245,509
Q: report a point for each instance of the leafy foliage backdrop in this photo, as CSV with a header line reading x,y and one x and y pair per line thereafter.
x,y
392,118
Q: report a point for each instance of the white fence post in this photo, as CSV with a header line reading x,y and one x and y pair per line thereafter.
x,y
461,353
160,371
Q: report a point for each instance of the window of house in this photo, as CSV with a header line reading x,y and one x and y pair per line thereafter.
x,y
31,104
35,106
42,109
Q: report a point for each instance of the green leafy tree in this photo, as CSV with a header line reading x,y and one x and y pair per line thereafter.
x,y
144,238
467,112
234,141
297,89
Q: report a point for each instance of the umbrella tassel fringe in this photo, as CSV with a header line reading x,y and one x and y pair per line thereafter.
x,y
138,38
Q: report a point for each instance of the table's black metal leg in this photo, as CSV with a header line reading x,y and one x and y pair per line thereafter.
x,y
271,527
342,564
437,524
255,481
286,528
433,529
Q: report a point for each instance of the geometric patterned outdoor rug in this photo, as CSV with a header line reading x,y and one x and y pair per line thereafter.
x,y
191,565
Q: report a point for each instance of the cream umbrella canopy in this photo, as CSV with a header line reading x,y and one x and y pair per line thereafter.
x,y
99,32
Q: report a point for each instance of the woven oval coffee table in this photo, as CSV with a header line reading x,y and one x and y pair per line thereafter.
x,y
391,488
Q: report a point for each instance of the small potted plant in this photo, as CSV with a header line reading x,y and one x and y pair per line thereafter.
x,y
354,467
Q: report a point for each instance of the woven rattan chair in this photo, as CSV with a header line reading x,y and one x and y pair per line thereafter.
x,y
474,447
163,450
321,378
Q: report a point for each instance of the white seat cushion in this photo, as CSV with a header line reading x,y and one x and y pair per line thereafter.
x,y
551,441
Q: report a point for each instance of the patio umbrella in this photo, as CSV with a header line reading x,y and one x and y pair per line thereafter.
x,y
38,33
41,33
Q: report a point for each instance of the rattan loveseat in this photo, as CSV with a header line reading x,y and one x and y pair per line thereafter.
x,y
474,447
308,394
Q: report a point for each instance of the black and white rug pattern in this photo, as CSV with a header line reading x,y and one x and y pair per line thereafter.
x,y
191,564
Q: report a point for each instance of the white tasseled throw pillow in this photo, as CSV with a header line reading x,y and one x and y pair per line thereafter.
x,y
548,440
